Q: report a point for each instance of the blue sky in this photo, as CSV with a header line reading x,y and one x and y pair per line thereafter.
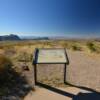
x,y
50,17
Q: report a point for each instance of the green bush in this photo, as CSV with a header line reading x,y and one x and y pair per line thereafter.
x,y
91,47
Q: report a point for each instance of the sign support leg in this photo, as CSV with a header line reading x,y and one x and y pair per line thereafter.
x,y
64,73
35,73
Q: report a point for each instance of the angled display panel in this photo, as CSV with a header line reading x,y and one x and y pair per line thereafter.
x,y
51,56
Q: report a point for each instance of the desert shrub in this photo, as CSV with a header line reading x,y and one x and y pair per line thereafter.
x,y
5,63
76,48
91,47
5,67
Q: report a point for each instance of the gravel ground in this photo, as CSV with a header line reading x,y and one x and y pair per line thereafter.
x,y
51,74
84,70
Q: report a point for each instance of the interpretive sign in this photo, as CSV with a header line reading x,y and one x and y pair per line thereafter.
x,y
50,56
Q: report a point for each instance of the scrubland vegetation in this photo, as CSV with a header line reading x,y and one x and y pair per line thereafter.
x,y
16,56
12,47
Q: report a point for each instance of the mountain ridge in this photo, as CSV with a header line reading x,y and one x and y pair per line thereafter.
x,y
9,37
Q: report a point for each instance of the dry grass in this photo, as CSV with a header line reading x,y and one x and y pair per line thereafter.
x,y
23,50
31,45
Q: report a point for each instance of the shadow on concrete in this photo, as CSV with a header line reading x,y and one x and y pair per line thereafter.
x,y
87,96
81,87
53,89
81,96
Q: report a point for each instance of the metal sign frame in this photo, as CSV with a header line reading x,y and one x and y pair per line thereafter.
x,y
35,61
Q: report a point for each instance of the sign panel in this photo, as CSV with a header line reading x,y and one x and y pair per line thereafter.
x,y
51,56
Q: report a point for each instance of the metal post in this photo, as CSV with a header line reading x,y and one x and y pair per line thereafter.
x,y
35,73
64,73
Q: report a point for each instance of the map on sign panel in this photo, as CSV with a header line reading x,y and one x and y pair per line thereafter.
x,y
51,56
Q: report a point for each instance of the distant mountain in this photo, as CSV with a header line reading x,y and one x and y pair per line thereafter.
x,y
9,37
34,38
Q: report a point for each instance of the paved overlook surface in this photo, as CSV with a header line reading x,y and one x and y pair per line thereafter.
x,y
45,94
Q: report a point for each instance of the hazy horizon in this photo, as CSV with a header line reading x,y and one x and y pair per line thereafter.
x,y
70,36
